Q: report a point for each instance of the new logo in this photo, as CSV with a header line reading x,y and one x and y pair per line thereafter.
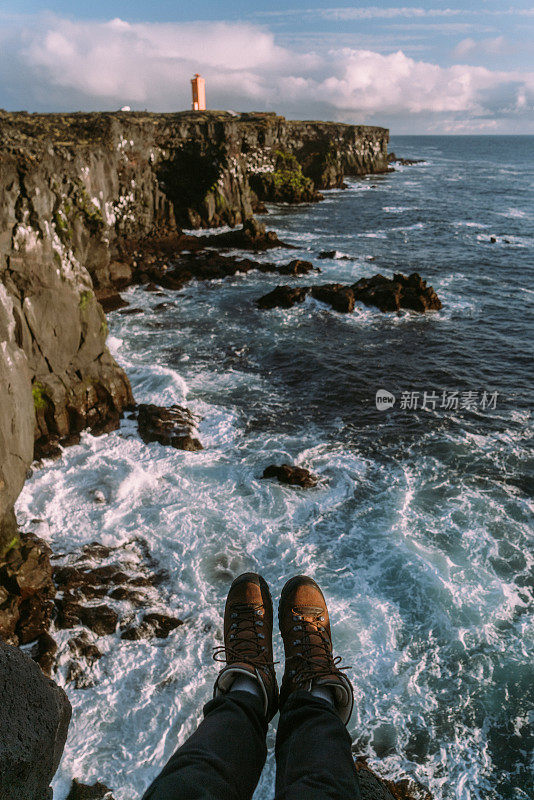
x,y
384,400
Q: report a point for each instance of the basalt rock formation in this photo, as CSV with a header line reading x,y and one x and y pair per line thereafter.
x,y
26,595
387,294
174,426
85,791
34,717
293,476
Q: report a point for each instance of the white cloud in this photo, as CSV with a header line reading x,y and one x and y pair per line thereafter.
x,y
491,46
110,64
377,12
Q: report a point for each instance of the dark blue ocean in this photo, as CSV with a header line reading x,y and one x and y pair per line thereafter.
x,y
420,530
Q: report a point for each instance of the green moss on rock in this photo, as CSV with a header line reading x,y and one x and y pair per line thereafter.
x,y
85,299
40,400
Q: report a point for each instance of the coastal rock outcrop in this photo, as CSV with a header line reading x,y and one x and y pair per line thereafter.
x,y
401,291
34,719
89,791
387,294
373,787
293,476
26,597
284,297
174,426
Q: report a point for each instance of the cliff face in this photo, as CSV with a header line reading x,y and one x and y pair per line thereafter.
x,y
79,193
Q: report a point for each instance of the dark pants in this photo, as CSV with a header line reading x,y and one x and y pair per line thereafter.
x,y
224,758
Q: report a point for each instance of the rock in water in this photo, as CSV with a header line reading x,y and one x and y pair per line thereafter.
x,y
340,297
283,297
172,426
388,294
298,267
392,294
373,787
26,592
34,719
294,476
252,236
85,791
152,625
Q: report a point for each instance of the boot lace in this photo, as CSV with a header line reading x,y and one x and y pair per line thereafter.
x,y
315,658
245,641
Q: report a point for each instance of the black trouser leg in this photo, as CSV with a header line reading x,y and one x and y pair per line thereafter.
x,y
313,752
223,759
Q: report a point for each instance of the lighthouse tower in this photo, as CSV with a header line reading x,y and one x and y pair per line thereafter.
x,y
198,89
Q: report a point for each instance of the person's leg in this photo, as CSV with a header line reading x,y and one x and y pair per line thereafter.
x,y
313,747
313,752
223,759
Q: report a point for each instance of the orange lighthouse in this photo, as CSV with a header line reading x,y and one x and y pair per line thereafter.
x,y
198,88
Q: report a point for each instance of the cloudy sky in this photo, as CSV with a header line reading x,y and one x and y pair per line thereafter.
x,y
425,68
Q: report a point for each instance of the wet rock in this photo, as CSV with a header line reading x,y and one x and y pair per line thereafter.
x,y
45,652
333,254
99,496
96,550
26,591
101,619
26,568
152,287
111,301
283,297
131,312
9,616
68,613
406,162
252,236
123,593
388,294
173,426
83,647
52,447
34,619
298,267
85,791
340,297
84,653
34,719
203,265
152,625
294,476
373,787
392,294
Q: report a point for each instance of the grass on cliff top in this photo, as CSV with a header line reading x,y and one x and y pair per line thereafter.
x,y
81,128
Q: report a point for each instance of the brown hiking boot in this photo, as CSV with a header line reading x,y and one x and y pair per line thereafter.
x,y
248,639
305,629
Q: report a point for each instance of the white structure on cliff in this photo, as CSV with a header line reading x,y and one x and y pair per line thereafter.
x,y
198,89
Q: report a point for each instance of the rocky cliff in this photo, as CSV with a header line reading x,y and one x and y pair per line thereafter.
x,y
79,193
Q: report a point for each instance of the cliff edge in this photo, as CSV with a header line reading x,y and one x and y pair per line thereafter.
x,y
80,192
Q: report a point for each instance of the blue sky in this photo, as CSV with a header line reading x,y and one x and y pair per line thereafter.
x,y
425,67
